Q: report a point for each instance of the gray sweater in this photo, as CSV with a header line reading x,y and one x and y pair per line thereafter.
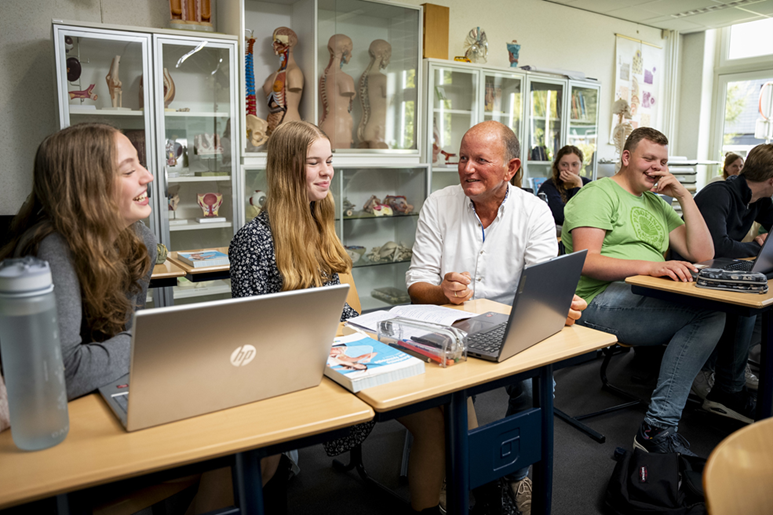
x,y
87,365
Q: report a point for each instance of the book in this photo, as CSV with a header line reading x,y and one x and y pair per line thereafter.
x,y
537,182
423,312
203,258
357,362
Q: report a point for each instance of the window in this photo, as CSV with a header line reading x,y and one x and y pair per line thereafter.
x,y
742,93
752,39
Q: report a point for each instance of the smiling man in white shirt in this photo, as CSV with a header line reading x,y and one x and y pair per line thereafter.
x,y
473,240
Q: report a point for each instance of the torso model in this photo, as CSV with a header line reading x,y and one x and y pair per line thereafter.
x,y
336,90
114,84
372,129
284,87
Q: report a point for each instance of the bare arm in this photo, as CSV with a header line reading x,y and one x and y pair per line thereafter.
x,y
454,290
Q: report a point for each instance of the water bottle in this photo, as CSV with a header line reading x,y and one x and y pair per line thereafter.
x,y
31,354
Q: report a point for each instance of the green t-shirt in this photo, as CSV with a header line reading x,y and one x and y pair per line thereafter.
x,y
637,227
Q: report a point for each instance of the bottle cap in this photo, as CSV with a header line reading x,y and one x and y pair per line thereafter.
x,y
23,275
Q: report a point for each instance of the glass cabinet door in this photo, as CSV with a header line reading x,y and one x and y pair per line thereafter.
x,y
544,125
502,101
377,212
195,111
584,125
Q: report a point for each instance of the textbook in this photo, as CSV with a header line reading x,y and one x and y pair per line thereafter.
x,y
423,312
357,362
203,258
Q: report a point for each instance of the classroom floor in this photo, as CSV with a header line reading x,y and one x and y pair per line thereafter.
x,y
582,466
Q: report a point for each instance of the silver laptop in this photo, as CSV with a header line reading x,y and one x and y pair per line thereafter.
x,y
763,263
540,306
199,358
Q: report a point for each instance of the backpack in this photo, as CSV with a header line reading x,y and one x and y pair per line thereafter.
x,y
649,483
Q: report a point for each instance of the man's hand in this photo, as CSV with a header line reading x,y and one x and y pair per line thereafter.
x,y
578,305
455,288
668,185
571,180
676,270
761,239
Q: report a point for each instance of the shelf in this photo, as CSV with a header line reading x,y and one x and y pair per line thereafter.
x,y
444,168
77,110
363,262
453,111
216,288
364,215
195,114
584,122
193,225
208,178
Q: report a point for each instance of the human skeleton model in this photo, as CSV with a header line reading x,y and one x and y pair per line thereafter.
x,y
284,87
372,129
336,90
623,129
114,84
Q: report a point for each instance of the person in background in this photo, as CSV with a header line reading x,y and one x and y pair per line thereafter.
x,y
292,245
626,229
730,209
565,182
732,168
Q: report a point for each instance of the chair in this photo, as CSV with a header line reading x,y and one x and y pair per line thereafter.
x,y
737,475
352,298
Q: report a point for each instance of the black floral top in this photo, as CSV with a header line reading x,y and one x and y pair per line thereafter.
x,y
253,263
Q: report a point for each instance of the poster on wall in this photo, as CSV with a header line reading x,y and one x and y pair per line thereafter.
x,y
639,69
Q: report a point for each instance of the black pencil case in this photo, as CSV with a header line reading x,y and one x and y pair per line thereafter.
x,y
730,280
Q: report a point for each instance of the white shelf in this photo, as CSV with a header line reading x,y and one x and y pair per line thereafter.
x,y
452,111
208,178
74,109
193,225
443,168
216,288
203,114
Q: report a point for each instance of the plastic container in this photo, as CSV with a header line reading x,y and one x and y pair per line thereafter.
x,y
32,355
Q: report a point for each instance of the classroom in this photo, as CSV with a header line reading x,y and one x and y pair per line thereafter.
x,y
584,174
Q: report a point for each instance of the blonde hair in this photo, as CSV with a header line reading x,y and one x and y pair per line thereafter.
x,y
307,248
73,194
557,182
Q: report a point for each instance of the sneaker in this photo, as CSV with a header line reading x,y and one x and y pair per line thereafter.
x,y
739,405
522,492
703,383
652,439
752,382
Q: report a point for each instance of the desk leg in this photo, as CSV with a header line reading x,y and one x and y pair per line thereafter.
x,y
765,395
248,492
543,469
457,468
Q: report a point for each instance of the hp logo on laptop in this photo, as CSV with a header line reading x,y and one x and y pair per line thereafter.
x,y
243,355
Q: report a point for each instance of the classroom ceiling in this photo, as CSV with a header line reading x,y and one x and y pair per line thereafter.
x,y
682,15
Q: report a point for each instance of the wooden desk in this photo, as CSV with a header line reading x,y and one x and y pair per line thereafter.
x,y
165,274
205,273
452,386
733,303
98,450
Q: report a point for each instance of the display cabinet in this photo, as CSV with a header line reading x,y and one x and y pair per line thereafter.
x,y
377,211
175,96
359,62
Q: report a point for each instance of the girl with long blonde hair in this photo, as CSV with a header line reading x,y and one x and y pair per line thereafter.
x,y
293,245
89,193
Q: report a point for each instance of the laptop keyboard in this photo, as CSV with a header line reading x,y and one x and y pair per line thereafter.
x,y
488,342
740,266
122,399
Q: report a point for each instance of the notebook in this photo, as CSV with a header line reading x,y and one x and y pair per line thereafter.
x,y
763,263
198,358
540,306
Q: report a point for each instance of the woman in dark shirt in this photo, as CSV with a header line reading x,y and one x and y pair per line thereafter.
x,y
566,181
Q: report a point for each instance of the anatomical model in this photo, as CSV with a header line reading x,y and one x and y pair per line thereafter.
x,y
372,129
284,87
336,90
114,83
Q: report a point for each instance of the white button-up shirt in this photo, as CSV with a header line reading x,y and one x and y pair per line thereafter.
x,y
450,238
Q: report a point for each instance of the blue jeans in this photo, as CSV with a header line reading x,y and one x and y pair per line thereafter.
x,y
729,358
691,335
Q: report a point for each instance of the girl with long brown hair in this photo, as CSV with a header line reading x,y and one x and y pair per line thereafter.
x,y
293,245
89,193
565,181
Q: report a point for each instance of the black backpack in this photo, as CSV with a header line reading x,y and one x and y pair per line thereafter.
x,y
648,483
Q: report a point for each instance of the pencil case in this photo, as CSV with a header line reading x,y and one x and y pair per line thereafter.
x,y
429,342
729,280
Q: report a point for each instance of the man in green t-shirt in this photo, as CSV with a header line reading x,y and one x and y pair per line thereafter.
x,y
626,228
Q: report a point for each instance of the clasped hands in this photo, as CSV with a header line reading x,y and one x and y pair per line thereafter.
x,y
455,287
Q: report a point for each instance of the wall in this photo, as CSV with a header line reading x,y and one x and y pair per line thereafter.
x,y
28,88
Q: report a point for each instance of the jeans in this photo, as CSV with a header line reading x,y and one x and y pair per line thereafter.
x,y
729,358
691,335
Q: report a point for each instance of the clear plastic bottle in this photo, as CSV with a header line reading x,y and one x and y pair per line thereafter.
x,y
32,355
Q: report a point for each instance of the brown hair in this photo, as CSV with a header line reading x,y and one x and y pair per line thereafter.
x,y
759,163
73,194
730,158
647,133
557,182
307,248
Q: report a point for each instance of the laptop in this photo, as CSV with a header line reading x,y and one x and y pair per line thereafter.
x,y
763,263
199,358
542,301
